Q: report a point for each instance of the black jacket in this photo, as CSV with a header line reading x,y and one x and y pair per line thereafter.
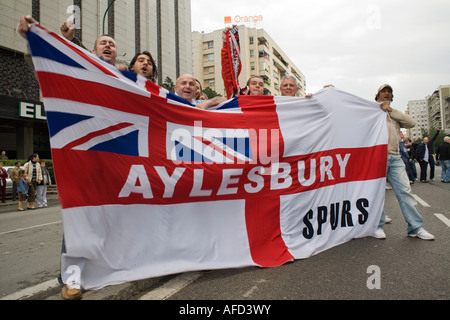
x,y
443,152
420,152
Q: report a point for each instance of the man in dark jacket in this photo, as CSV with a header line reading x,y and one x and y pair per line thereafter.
x,y
431,152
411,147
422,157
405,157
443,156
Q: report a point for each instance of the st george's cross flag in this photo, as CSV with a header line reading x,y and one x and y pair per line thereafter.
x,y
150,185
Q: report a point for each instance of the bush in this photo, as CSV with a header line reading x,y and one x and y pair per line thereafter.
x,y
48,164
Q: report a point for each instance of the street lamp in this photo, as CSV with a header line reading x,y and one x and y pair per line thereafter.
x,y
104,16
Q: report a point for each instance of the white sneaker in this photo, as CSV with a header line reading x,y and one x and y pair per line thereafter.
x,y
379,234
387,219
422,234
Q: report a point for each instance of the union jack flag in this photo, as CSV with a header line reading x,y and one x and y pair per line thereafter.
x,y
198,144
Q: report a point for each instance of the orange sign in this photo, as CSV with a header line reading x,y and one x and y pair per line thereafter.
x,y
243,19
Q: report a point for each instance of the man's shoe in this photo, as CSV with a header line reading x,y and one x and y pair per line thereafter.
x,y
422,234
379,234
71,294
387,219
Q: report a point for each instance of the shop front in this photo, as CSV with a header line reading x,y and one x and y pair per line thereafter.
x,y
23,128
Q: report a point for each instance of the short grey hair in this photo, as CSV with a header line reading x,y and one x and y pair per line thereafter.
x,y
289,78
446,138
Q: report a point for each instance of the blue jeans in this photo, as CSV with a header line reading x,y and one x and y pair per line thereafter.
x,y
397,177
445,176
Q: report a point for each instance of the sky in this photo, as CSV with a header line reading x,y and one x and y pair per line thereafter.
x,y
356,45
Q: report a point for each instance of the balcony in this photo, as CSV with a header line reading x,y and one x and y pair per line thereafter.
x,y
263,42
280,57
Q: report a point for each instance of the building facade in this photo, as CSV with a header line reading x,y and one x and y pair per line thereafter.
x,y
260,56
161,27
438,108
417,109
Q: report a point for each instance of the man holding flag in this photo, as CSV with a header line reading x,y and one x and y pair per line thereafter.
x,y
396,173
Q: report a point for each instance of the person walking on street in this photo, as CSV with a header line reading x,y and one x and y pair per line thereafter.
x,y
431,154
405,157
411,148
396,173
443,157
41,194
34,176
423,157
3,176
15,177
22,188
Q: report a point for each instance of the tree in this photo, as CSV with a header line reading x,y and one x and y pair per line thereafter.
x,y
210,93
168,84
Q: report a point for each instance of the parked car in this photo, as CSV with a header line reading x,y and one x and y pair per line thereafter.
x,y
9,181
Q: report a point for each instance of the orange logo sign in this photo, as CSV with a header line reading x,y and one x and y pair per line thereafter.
x,y
243,19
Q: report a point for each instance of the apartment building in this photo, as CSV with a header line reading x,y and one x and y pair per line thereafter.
x,y
161,27
417,109
438,108
260,56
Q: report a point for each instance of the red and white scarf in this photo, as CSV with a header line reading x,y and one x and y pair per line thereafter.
x,y
233,47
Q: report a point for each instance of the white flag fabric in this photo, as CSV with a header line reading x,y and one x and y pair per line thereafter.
x,y
150,185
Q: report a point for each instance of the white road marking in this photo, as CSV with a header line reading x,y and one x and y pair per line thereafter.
x,y
250,292
423,203
32,227
443,218
172,286
31,291
252,289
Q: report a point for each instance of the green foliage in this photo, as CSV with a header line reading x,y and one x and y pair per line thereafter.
x,y
210,93
48,165
168,84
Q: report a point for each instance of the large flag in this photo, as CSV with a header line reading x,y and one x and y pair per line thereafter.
x,y
150,185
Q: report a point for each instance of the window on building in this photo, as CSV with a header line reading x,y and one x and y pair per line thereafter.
x,y
208,70
275,74
210,57
264,54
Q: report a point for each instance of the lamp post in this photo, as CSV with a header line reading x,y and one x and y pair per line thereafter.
x,y
104,16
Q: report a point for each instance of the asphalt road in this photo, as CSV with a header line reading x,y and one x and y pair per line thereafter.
x,y
409,268
30,244
398,268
